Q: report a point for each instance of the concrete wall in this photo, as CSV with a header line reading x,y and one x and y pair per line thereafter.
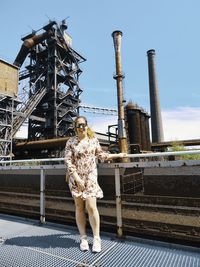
x,y
181,181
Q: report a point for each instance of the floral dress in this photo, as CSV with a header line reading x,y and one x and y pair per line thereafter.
x,y
80,156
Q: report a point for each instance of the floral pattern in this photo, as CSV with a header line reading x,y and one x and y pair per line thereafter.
x,y
80,156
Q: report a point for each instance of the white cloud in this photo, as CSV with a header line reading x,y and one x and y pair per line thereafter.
x,y
100,123
181,123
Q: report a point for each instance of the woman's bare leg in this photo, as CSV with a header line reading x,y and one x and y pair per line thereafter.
x,y
80,215
91,206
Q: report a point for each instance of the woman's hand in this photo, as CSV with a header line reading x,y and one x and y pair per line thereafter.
x,y
80,183
122,155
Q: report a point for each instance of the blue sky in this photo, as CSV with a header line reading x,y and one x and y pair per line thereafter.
x,y
170,27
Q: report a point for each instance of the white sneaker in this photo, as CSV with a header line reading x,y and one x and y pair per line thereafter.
x,y
84,243
96,244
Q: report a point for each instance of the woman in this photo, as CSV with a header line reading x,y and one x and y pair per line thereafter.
x,y
81,152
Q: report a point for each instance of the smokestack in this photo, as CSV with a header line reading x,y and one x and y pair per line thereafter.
x,y
123,147
156,119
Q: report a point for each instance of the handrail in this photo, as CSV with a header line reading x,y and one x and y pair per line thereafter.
x,y
145,155
158,154
31,160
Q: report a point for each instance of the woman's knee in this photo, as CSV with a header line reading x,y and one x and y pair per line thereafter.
x,y
79,204
91,206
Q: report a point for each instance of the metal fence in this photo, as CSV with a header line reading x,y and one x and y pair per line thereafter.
x,y
58,163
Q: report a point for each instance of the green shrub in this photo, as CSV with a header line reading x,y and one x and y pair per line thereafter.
x,y
180,147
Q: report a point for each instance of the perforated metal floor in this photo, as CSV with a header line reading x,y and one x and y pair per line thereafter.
x,y
25,243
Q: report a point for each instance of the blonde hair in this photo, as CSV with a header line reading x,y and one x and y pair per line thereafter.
x,y
90,132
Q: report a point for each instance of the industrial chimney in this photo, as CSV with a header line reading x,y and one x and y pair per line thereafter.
x,y
117,36
156,119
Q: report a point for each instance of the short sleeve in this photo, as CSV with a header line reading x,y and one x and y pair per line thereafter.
x,y
71,168
99,153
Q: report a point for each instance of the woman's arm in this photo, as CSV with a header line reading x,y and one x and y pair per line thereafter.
x,y
99,153
71,168
103,155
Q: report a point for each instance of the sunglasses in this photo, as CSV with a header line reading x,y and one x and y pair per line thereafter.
x,y
81,126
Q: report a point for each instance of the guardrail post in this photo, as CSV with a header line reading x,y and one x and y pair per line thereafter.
x,y
118,203
42,196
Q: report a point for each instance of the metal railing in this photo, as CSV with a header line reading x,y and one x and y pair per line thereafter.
x,y
139,155
14,165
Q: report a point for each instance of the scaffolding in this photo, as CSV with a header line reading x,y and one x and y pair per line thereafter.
x,y
8,103
5,127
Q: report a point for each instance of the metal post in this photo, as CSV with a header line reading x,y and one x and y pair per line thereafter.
x,y
55,133
118,203
42,196
117,35
11,133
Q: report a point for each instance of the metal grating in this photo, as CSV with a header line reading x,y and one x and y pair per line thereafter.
x,y
132,182
29,244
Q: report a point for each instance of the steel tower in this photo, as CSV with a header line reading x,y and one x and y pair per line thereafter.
x,y
53,74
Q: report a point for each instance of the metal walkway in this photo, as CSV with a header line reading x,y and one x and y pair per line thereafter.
x,y
25,243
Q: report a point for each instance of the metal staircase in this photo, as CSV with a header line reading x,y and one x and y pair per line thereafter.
x,y
25,112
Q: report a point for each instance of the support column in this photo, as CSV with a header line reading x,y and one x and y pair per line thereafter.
x,y
118,203
42,196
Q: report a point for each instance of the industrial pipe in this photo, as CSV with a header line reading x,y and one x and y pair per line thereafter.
x,y
123,147
47,143
27,45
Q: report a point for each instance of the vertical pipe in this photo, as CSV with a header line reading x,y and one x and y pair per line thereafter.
x,y
117,35
143,130
42,196
147,131
156,120
118,203
11,133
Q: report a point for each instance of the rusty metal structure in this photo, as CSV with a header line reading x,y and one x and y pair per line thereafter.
x,y
150,197
8,103
156,119
53,73
138,128
6,107
123,146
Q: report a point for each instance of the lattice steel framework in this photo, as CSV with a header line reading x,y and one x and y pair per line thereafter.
x,y
6,117
53,75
